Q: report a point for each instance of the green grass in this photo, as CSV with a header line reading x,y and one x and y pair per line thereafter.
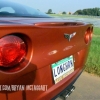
x,y
96,31
75,16
93,61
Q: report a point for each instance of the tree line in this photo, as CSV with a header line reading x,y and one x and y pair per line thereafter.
x,y
89,11
50,12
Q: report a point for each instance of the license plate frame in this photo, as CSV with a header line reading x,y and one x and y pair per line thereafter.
x,y
62,68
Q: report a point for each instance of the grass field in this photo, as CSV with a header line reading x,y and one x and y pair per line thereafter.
x,y
75,16
93,61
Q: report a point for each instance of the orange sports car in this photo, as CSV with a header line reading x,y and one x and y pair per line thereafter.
x,y
40,56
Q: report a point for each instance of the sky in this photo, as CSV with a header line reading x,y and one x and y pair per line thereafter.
x,y
60,5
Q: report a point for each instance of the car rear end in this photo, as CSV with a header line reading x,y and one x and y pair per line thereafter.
x,y
42,60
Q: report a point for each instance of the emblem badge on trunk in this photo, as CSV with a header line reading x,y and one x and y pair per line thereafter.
x,y
69,36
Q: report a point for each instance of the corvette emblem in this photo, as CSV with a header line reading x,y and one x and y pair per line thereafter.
x,y
69,36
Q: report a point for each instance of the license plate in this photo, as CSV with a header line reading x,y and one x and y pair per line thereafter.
x,y
62,68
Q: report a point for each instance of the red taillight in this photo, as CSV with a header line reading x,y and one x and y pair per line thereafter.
x,y
12,50
88,35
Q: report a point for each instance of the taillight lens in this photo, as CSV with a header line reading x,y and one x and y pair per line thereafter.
x,y
88,35
12,50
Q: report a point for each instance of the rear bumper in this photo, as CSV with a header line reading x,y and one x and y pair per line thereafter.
x,y
50,94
